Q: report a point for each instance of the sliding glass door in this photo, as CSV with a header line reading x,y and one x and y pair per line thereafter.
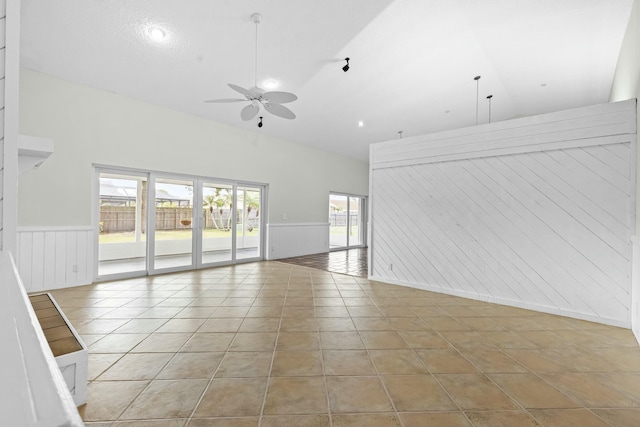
x,y
216,223
122,233
248,228
152,223
347,226
172,222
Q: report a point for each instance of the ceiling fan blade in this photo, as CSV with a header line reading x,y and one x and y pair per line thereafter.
x,y
280,111
279,97
249,112
225,100
243,91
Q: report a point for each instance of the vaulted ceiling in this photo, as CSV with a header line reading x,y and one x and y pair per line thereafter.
x,y
412,66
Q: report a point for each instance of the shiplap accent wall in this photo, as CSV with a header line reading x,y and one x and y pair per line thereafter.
x,y
289,240
55,257
536,212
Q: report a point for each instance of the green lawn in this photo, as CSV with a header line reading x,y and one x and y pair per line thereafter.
x,y
130,236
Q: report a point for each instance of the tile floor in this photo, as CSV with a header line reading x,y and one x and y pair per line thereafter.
x,y
274,344
352,262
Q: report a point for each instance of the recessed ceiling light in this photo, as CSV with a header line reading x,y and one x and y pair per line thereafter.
x,y
157,34
360,124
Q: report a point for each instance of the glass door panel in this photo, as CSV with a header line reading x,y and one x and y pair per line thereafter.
x,y
248,238
122,237
356,229
338,217
216,223
173,224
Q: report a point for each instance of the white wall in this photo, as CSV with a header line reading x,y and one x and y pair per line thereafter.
x,y
96,127
535,212
9,66
626,85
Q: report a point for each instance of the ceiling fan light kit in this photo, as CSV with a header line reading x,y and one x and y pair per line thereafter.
x,y
271,101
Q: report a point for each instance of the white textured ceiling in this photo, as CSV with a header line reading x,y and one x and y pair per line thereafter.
x,y
412,61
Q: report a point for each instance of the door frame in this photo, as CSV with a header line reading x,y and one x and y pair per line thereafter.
x,y
363,222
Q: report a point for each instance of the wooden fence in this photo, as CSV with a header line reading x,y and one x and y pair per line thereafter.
x,y
116,219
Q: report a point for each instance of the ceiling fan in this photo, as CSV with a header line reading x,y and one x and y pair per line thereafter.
x,y
271,101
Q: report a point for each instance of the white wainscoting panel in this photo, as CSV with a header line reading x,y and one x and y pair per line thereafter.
x,y
546,228
290,240
55,257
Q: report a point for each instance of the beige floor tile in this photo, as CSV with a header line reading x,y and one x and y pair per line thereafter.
x,y
332,312
162,343
407,323
545,339
335,324
208,342
169,422
245,364
100,362
541,360
195,313
295,421
259,325
626,359
369,420
548,364
253,341
298,341
397,362
365,311
445,361
158,312
493,361
588,390
230,312
166,399
298,324
357,394
232,397
444,324
372,324
341,340
424,339
100,326
532,392
466,339
191,366
117,343
622,417
502,419
106,400
570,418
475,392
417,393
181,325
274,312
137,326
287,396
435,419
383,340
348,362
297,364
136,366
224,422
221,325
507,339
